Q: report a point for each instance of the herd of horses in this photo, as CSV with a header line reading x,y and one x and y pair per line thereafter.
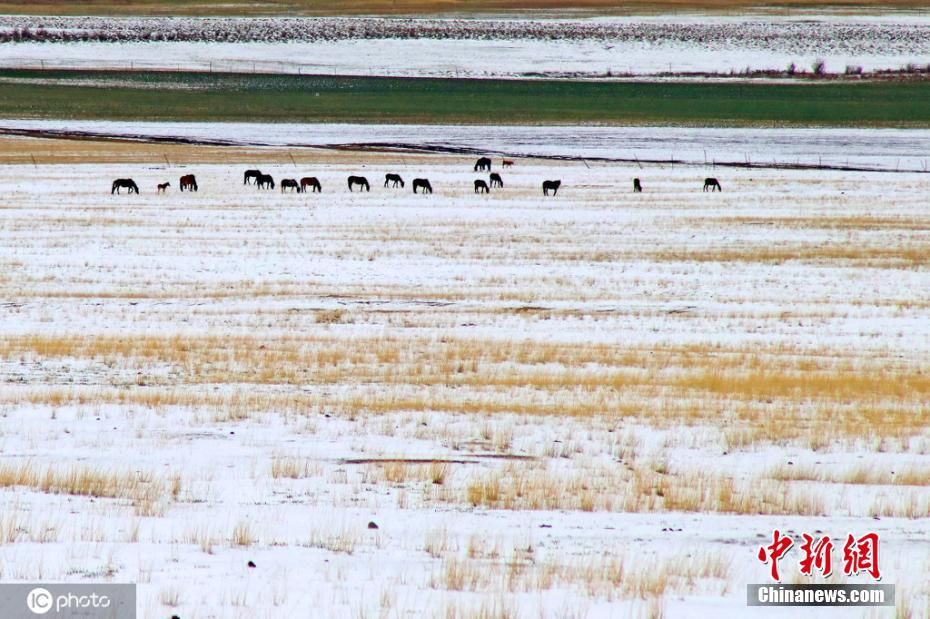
x,y
259,179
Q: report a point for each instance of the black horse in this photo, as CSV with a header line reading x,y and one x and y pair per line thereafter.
x,y
496,180
394,179
312,183
289,183
189,182
713,183
251,175
552,186
481,186
422,183
483,164
264,181
124,183
637,186
360,181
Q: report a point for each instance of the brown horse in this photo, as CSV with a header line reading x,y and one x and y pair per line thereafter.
x,y
188,182
506,163
312,183
163,186
713,183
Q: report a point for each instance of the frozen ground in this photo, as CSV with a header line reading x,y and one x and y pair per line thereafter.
x,y
508,47
625,393
879,149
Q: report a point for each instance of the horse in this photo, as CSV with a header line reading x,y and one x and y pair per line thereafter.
x,y
360,181
637,186
163,186
713,183
551,185
483,164
289,183
264,181
506,163
496,180
422,183
124,183
188,182
312,183
251,175
481,186
394,179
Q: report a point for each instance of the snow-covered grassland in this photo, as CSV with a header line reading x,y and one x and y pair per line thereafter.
x,y
475,47
873,149
597,404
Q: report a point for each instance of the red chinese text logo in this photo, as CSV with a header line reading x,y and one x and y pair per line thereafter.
x,y
859,554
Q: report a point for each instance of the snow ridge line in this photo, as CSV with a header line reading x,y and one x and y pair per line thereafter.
x,y
439,149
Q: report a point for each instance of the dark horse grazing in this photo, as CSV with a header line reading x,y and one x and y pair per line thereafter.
x,y
422,183
251,175
551,186
481,186
496,180
713,183
637,186
289,183
361,181
163,186
124,183
312,183
188,182
394,179
264,181
483,164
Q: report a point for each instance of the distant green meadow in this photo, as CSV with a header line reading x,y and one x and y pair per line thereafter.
x,y
182,96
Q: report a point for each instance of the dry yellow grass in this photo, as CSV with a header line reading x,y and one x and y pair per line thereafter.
x,y
608,577
776,393
148,495
902,256
242,535
45,151
636,488
829,222
862,474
